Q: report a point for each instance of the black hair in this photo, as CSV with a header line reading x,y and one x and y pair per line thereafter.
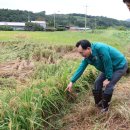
x,y
126,1
84,44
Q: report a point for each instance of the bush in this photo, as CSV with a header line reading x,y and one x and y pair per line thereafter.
x,y
102,27
60,29
33,27
6,28
121,28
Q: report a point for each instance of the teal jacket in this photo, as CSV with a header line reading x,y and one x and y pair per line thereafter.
x,y
105,58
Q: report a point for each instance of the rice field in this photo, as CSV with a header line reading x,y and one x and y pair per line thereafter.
x,y
35,68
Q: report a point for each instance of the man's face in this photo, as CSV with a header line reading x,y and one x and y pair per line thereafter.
x,y
128,5
84,52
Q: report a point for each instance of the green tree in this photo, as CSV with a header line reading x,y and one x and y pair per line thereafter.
x,y
33,27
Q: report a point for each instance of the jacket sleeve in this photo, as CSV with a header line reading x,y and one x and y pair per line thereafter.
x,y
107,62
79,71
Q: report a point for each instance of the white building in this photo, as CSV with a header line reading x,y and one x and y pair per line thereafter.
x,y
41,23
21,25
14,25
75,28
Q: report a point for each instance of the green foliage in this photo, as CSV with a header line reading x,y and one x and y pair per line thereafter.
x,y
6,28
60,28
50,29
33,27
61,19
101,27
19,15
122,28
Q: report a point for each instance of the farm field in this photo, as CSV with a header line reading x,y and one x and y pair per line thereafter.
x,y
35,68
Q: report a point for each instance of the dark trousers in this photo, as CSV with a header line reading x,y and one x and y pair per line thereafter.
x,y
98,85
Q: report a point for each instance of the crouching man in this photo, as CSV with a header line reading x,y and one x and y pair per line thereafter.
x,y
107,59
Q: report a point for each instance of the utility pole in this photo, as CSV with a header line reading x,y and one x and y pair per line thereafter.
x,y
54,20
95,23
29,17
86,18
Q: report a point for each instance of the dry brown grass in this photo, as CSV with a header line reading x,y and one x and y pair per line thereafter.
x,y
72,56
21,36
19,69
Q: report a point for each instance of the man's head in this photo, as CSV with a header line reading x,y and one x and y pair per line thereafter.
x,y
127,2
84,48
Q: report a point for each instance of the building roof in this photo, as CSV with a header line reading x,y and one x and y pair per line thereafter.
x,y
78,28
20,24
38,22
13,23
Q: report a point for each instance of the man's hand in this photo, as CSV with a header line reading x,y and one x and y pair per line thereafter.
x,y
105,82
69,87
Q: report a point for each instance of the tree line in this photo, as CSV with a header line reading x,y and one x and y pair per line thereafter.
x,y
73,19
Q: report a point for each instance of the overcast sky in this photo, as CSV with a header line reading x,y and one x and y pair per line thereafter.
x,y
109,8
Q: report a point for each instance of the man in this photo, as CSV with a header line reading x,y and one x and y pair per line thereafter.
x,y
127,2
107,59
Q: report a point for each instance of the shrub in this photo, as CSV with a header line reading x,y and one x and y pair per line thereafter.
x,y
33,27
6,28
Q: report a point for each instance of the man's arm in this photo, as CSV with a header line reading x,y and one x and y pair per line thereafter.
x,y
79,71
107,62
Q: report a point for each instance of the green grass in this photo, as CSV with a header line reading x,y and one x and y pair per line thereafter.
x,y
66,37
